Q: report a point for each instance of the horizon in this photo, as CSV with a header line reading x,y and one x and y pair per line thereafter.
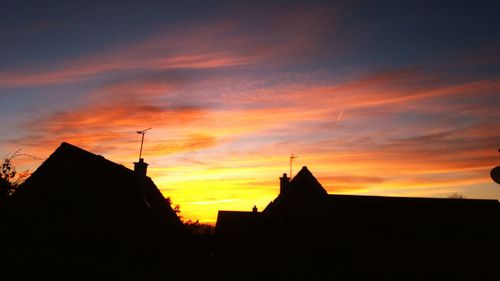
x,y
387,99
210,222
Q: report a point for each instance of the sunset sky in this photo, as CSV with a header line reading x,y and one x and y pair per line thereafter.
x,y
375,97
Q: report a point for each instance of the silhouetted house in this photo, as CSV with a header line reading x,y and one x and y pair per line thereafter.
x,y
305,229
232,226
79,206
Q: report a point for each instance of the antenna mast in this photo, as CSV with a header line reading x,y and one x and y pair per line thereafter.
x,y
143,132
291,160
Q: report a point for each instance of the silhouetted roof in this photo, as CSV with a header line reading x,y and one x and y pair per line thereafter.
x,y
233,225
430,217
385,217
303,189
77,195
302,214
394,235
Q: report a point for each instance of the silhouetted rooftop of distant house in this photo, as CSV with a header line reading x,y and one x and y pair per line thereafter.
x,y
77,196
232,225
403,235
305,193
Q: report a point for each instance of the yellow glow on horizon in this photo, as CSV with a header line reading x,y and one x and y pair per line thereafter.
x,y
203,191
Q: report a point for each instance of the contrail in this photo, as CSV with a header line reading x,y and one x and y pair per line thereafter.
x,y
339,117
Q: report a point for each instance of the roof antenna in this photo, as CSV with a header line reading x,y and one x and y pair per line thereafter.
x,y
291,160
143,132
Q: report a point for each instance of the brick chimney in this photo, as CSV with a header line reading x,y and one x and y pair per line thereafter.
x,y
284,182
141,167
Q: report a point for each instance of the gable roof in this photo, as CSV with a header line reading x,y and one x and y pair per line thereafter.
x,y
303,188
302,212
78,195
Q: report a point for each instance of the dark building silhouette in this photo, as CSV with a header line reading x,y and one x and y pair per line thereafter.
x,y
80,215
306,230
80,211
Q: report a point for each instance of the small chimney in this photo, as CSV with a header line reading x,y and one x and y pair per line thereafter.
x,y
254,209
141,167
284,182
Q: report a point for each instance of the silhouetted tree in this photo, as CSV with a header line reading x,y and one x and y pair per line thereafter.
x,y
195,227
10,179
7,178
198,228
176,208
456,195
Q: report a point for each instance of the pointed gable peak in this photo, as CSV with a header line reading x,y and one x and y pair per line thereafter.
x,y
70,149
304,171
67,145
64,146
304,175
306,180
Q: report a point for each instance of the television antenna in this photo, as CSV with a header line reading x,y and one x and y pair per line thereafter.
x,y
143,132
291,160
